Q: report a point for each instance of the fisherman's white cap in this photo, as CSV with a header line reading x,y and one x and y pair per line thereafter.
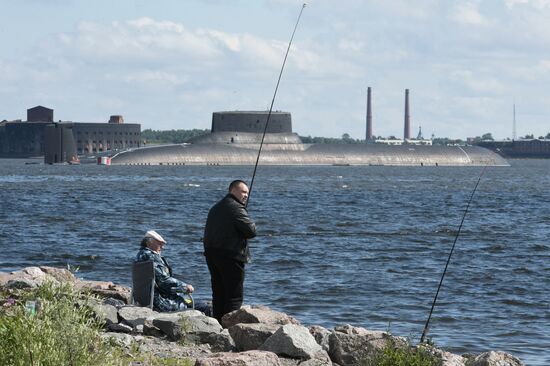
x,y
153,234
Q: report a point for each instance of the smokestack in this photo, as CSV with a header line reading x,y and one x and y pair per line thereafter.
x,y
407,134
369,115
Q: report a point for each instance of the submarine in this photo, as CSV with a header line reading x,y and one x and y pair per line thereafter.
x,y
236,136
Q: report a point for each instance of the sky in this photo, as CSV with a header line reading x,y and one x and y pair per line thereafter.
x,y
168,64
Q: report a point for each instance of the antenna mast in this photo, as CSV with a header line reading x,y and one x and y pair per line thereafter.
x,y
514,136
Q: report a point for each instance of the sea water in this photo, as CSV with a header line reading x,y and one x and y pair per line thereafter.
x,y
360,245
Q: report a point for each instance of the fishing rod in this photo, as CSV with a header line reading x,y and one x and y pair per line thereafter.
x,y
271,107
425,331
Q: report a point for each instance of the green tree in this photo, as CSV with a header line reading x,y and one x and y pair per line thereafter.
x,y
548,136
171,136
487,136
346,139
445,141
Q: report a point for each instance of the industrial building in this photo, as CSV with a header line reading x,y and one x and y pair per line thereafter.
x,y
22,139
523,148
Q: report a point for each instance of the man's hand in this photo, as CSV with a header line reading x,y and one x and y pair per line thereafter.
x,y
189,289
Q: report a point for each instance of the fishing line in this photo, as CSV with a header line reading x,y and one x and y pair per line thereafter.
x,y
425,331
271,107
331,234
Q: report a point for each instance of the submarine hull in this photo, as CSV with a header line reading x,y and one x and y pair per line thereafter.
x,y
309,154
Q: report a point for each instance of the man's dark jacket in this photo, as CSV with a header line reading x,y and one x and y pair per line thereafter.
x,y
227,229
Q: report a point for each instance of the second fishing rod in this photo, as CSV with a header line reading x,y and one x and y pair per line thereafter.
x,y
272,103
427,325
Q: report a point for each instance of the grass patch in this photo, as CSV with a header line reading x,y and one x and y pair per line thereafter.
x,y
407,355
61,330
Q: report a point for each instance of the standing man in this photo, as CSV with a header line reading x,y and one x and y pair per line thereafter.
x,y
228,227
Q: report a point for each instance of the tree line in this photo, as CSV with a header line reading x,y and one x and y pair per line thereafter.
x,y
180,136
171,136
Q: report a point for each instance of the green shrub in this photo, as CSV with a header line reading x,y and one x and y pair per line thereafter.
x,y
407,355
62,331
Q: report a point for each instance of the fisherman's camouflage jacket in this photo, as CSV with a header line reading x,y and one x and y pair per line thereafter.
x,y
166,287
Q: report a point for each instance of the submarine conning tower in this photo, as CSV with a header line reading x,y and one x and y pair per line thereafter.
x,y
251,121
247,127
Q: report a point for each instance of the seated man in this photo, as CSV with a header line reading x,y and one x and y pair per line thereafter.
x,y
168,295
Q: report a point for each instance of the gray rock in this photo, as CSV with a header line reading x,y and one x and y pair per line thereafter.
x,y
62,275
192,326
321,336
22,283
248,358
289,361
107,313
32,277
293,341
251,336
105,289
495,358
134,315
221,342
29,277
320,358
446,358
33,272
150,330
169,324
348,345
124,340
114,302
256,314
120,328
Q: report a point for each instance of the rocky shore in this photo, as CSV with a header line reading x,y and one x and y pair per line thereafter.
x,y
252,335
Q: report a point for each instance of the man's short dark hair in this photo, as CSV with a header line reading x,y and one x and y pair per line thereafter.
x,y
235,183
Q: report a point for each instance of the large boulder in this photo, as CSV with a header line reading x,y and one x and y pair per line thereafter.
x,y
32,277
22,283
348,345
134,315
249,358
256,314
120,328
107,313
60,274
251,336
321,336
105,289
495,358
121,339
292,341
320,358
446,358
221,342
193,327
171,325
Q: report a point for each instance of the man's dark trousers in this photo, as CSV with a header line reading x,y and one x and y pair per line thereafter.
x,y
227,276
